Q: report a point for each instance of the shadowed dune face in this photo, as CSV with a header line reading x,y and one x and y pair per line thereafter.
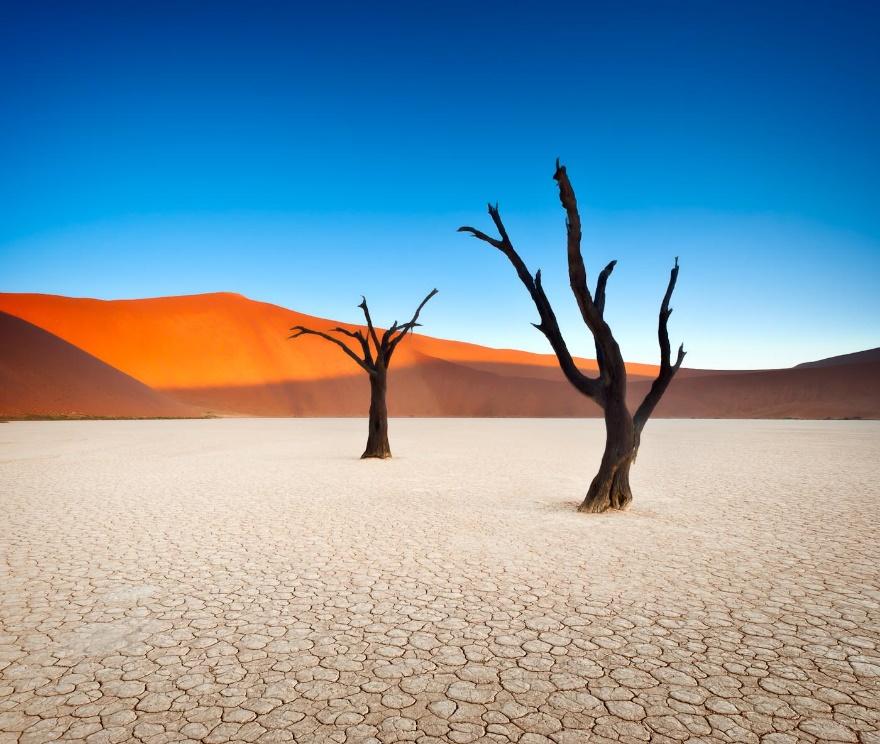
x,y
835,391
431,388
439,388
43,375
226,354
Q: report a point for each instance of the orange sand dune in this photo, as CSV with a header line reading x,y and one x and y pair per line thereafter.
x,y
225,339
226,354
43,375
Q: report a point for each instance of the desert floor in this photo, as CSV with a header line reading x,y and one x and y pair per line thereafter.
x,y
252,580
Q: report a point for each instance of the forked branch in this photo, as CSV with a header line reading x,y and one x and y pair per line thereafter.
x,y
372,361
607,350
390,340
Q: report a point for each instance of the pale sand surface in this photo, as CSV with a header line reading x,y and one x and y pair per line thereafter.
x,y
252,580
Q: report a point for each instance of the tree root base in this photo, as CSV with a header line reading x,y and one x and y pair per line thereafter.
x,y
376,456
600,508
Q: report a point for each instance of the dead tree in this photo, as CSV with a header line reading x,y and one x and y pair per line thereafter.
x,y
610,488
374,361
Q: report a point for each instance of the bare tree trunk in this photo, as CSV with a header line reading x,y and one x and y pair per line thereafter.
x,y
610,488
377,441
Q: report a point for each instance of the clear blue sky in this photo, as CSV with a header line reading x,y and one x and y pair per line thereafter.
x,y
304,155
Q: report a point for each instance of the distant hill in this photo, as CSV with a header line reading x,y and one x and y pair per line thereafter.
x,y
226,354
869,356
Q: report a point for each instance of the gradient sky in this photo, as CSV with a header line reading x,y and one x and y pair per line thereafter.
x,y
306,155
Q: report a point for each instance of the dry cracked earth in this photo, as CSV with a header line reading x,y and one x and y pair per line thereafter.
x,y
253,581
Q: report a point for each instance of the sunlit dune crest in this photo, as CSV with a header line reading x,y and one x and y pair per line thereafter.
x,y
225,339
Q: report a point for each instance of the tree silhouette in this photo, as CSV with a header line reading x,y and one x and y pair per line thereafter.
x,y
374,361
610,488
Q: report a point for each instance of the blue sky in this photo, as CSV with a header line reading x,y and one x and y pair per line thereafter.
x,y
304,156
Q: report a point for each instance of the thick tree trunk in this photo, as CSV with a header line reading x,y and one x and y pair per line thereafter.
x,y
377,441
610,488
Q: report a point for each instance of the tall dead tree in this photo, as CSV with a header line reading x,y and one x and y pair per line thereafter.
x,y
374,361
610,488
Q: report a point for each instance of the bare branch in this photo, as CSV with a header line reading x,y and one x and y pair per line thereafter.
x,y
480,235
549,326
600,287
496,218
389,332
353,334
365,346
680,356
665,312
600,307
363,306
607,349
577,271
407,327
303,331
667,368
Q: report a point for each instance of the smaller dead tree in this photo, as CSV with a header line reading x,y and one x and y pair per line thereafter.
x,y
375,358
